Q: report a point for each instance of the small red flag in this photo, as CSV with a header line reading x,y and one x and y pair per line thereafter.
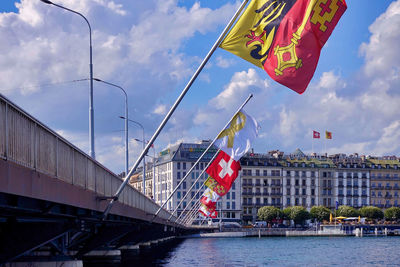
x,y
316,134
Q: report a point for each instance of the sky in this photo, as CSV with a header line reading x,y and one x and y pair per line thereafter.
x,y
152,48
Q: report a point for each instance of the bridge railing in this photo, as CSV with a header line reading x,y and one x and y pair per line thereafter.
x,y
28,142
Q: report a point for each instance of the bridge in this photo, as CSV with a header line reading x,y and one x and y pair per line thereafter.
x,y
53,195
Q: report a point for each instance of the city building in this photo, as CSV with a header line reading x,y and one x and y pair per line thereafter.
x,y
276,179
171,167
385,181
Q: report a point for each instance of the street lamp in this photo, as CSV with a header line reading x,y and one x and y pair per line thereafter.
x,y
91,110
154,168
144,160
126,122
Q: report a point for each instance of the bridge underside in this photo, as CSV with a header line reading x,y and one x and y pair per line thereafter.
x,y
35,223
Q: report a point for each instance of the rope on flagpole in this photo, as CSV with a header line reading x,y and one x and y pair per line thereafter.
x,y
201,156
171,111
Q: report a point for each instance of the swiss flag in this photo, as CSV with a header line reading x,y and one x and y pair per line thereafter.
x,y
224,169
316,134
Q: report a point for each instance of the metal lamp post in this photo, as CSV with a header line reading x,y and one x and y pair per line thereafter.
x,y
126,122
91,110
144,161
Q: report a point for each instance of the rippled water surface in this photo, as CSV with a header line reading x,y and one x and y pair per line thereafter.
x,y
281,251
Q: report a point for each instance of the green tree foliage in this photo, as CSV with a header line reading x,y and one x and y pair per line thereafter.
x,y
346,211
299,214
371,212
392,214
286,213
268,213
320,213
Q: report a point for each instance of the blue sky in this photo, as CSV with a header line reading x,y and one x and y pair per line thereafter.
x,y
151,48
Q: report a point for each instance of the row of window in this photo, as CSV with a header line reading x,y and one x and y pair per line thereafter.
x,y
387,175
200,166
352,175
388,186
387,194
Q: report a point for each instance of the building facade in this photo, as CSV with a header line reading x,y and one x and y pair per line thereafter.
x,y
275,179
172,166
385,181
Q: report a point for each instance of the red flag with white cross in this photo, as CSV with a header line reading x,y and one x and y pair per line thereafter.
x,y
224,169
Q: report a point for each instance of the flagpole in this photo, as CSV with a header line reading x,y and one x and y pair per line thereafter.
x,y
202,155
171,111
179,217
194,183
312,143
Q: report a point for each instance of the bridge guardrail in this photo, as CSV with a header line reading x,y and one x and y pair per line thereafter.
x,y
28,142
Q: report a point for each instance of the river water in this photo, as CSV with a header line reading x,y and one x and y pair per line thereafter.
x,y
278,251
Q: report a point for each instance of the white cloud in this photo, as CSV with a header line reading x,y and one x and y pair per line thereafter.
x,y
160,109
224,62
381,53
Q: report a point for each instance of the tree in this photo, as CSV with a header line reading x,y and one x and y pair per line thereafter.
x,y
286,213
299,214
346,211
269,213
371,212
392,214
320,213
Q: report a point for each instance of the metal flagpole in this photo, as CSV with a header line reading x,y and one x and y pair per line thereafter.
x,y
192,214
312,144
171,111
194,183
202,155
190,201
184,218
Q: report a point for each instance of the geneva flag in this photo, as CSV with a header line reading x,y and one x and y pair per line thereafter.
x,y
285,37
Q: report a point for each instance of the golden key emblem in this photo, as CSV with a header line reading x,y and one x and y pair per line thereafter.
x,y
234,127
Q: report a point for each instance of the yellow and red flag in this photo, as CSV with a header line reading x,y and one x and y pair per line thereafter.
x,y
215,186
328,135
285,37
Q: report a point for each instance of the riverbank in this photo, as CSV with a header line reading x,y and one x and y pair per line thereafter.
x,y
324,230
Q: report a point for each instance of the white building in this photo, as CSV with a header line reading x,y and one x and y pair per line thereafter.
x,y
171,167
